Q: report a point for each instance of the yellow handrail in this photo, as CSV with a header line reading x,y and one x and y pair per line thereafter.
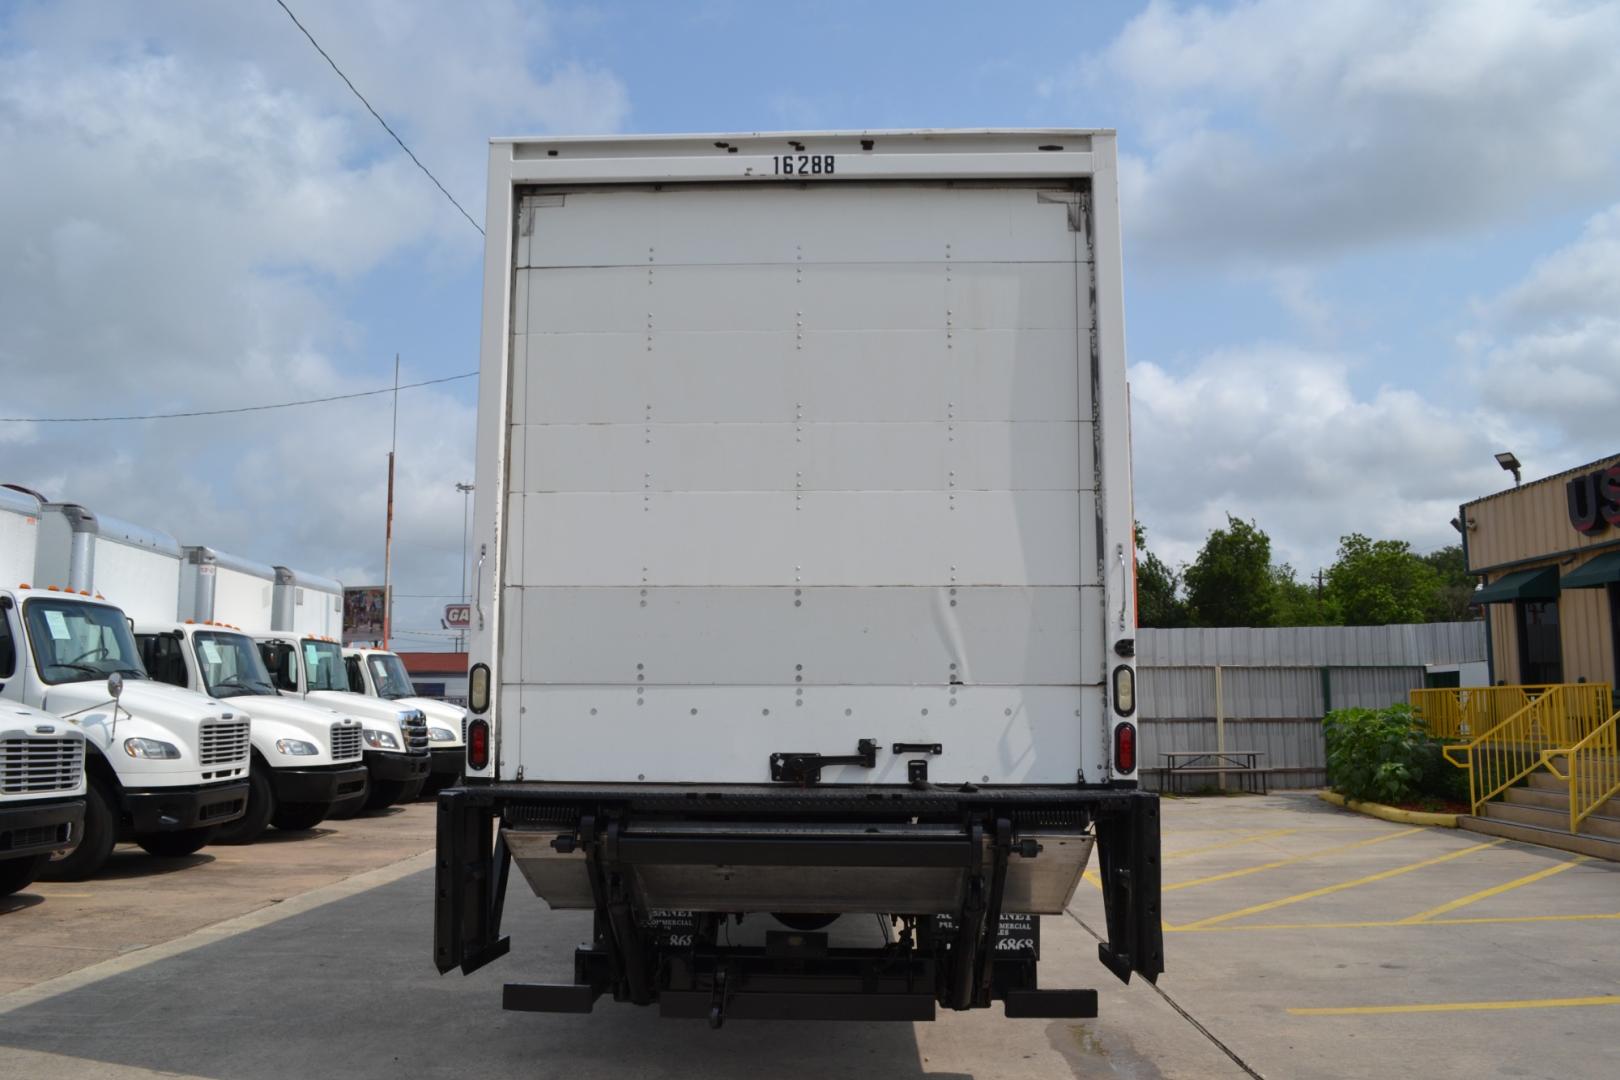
x,y
1554,722
1594,770
1463,712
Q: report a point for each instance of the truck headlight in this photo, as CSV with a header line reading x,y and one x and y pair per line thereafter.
x,y
296,747
151,748
441,734
379,740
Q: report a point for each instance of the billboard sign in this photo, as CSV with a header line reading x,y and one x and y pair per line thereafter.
x,y
362,614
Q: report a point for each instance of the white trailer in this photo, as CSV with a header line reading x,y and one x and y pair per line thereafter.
x,y
307,603
165,767
219,587
79,547
378,673
41,785
804,569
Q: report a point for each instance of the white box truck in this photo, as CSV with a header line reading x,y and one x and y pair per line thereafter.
x,y
311,666
804,571
41,785
379,673
307,603
165,767
307,760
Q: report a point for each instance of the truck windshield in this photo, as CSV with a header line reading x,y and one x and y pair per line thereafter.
x,y
323,666
75,642
231,665
388,672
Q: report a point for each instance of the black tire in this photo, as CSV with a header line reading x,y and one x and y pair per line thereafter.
x,y
261,808
803,923
96,838
297,817
177,844
386,793
17,874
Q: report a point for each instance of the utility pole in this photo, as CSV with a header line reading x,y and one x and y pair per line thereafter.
x,y
1319,581
466,510
388,534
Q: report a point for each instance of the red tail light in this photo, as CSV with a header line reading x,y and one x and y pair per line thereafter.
x,y
478,744
1125,748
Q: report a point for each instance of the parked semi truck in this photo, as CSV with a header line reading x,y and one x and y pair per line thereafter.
x,y
379,673
395,737
41,785
165,767
307,758
804,580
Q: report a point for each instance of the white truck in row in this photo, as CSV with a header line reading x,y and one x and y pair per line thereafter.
x,y
42,785
804,580
378,673
163,767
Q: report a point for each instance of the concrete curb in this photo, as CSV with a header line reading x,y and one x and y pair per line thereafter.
x,y
1390,813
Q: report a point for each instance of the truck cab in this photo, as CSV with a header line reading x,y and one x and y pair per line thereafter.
x,y
395,738
379,673
307,757
41,788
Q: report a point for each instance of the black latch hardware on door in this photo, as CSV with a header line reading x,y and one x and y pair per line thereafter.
x,y
805,769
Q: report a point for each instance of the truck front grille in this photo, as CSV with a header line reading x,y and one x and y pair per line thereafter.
x,y
416,736
39,766
223,742
345,741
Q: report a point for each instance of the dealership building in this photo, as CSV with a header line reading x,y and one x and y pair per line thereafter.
x,y
1548,553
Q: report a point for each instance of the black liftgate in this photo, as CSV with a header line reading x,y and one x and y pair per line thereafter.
x,y
966,959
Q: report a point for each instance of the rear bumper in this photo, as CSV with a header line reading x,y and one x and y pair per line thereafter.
x,y
323,784
952,866
172,809
449,760
384,765
38,828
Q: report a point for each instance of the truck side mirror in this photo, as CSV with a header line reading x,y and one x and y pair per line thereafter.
x,y
115,686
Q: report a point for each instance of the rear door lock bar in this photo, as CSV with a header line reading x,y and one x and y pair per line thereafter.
x,y
805,769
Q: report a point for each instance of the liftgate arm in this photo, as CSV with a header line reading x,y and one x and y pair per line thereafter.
x,y
1128,855
470,874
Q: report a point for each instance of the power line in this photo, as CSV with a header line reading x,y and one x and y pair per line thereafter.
x,y
380,120
224,412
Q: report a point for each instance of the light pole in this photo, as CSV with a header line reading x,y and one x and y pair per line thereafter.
x,y
466,509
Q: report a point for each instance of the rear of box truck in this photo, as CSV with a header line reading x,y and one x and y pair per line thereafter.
x,y
805,580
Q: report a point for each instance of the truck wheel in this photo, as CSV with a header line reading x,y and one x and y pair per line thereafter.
x,y
386,793
261,807
96,838
296,817
172,845
18,874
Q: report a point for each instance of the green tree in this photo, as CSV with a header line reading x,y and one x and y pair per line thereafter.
x,y
1456,585
1158,589
1300,603
1230,583
1377,582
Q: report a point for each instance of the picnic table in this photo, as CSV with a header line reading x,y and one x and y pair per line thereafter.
x,y
1245,763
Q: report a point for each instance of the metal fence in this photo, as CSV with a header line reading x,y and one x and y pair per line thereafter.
x,y
1267,690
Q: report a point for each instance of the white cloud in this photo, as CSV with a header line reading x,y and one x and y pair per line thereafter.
x,y
191,200
1278,129
1277,434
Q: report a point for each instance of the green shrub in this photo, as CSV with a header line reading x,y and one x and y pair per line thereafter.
x,y
1386,756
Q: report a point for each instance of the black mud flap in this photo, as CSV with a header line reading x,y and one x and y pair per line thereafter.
x,y
470,874
1128,861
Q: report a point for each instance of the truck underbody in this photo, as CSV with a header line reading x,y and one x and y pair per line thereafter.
x,y
956,875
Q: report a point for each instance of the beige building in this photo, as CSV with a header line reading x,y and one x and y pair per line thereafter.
x,y
1549,555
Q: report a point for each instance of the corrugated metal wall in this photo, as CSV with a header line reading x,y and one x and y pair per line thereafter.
x,y
1273,683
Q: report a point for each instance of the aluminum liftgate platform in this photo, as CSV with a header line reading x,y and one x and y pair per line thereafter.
x,y
623,851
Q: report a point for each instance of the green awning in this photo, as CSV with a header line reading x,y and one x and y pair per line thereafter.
x,y
1539,584
1595,573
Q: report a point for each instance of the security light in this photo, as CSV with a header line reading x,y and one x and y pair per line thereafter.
x,y
1455,524
1510,463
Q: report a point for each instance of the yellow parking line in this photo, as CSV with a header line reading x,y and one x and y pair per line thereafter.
x,y
1234,842
1271,905
1495,890
1462,1006
1286,862
1194,928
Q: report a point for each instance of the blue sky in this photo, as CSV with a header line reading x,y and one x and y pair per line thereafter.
x,y
1366,244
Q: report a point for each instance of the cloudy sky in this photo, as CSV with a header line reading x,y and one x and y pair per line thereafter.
x,y
1367,245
